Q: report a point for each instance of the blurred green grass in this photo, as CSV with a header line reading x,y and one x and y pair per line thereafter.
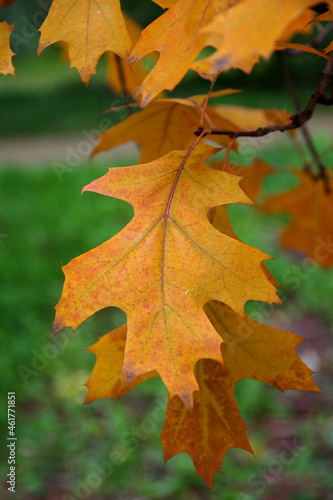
x,y
46,223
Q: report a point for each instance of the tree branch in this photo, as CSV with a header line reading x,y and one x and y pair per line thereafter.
x,y
304,129
297,120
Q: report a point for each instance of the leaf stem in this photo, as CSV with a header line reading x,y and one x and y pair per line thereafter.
x,y
122,78
202,134
207,99
167,211
231,142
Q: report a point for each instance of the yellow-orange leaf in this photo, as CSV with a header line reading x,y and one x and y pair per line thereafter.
x,y
253,176
175,35
252,118
165,266
299,46
106,380
301,24
311,211
6,65
132,74
89,29
326,16
163,126
6,3
329,48
243,42
250,350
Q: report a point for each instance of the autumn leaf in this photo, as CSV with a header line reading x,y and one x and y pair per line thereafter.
x,y
326,16
243,42
253,176
301,24
252,118
133,74
106,380
6,65
163,126
176,36
311,225
89,29
165,266
300,46
329,48
250,350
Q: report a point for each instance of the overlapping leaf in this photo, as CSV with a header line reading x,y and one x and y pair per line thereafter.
x,y
163,126
243,42
132,75
6,65
89,29
253,176
251,118
326,16
176,36
250,350
301,24
107,380
311,210
165,266
300,46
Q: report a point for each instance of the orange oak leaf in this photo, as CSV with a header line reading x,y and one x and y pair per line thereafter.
x,y
106,380
243,42
301,24
133,74
175,35
6,54
326,16
299,46
329,47
165,265
163,126
253,176
311,210
220,220
89,28
250,350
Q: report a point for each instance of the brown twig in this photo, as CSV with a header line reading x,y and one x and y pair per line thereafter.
x,y
304,128
297,120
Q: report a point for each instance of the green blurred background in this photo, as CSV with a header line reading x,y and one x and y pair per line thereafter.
x,y
44,222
